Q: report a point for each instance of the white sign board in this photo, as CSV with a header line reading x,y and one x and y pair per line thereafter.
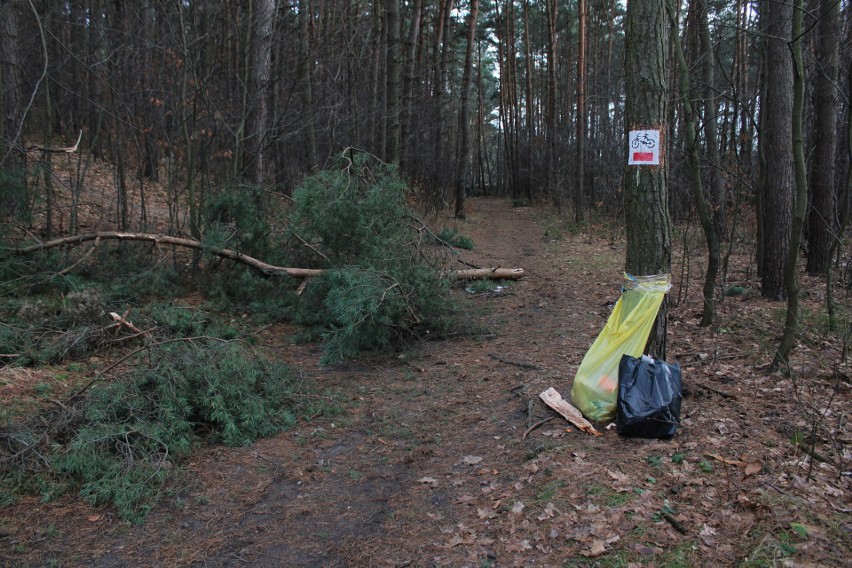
x,y
643,148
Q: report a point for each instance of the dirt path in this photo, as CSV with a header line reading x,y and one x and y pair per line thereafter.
x,y
428,466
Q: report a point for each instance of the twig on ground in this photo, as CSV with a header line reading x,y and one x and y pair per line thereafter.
x,y
536,425
675,523
717,391
521,364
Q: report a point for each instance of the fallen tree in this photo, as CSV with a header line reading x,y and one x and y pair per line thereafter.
x,y
262,267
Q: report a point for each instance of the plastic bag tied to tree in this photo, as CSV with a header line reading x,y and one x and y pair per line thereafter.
x,y
595,389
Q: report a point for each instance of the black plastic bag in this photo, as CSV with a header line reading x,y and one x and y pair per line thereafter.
x,y
649,397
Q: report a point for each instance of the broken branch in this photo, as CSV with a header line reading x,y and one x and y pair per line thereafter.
x,y
259,265
536,425
63,150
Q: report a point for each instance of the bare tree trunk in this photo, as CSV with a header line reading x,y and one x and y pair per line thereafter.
x,y
777,111
645,189
410,77
464,127
822,220
580,202
550,113
11,97
529,113
704,213
377,133
393,83
791,324
306,65
715,188
261,47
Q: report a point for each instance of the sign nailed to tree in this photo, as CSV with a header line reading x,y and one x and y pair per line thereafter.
x,y
644,148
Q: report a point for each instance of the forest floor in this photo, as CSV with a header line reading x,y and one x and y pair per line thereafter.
x,y
430,462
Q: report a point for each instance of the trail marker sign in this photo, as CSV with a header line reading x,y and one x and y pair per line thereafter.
x,y
643,148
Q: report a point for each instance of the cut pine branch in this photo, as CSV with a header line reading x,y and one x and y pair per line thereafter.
x,y
259,265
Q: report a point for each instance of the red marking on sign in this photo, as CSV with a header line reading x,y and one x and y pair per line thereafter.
x,y
643,156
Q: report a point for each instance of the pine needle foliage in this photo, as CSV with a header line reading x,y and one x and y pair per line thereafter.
x,y
385,281
455,239
120,444
236,218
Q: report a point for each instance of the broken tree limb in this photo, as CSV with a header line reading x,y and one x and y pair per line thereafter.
x,y
486,273
63,150
555,401
259,265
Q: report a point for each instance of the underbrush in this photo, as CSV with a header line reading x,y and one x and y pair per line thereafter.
x,y
180,313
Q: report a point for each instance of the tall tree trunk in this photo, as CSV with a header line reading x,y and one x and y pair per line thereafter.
x,y
777,122
377,133
704,212
713,168
550,112
580,202
410,77
464,127
393,82
306,58
11,99
529,112
261,48
438,88
791,324
822,219
646,208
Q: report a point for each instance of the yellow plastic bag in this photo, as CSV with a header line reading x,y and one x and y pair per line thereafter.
x,y
595,387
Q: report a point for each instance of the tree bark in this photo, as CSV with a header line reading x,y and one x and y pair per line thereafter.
x,y
464,126
776,145
645,189
11,98
715,187
393,83
581,203
306,65
800,204
261,47
410,79
704,213
822,220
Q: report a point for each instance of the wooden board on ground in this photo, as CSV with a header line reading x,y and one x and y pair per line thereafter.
x,y
554,400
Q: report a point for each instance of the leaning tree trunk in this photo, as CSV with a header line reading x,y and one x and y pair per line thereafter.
x,y
645,189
